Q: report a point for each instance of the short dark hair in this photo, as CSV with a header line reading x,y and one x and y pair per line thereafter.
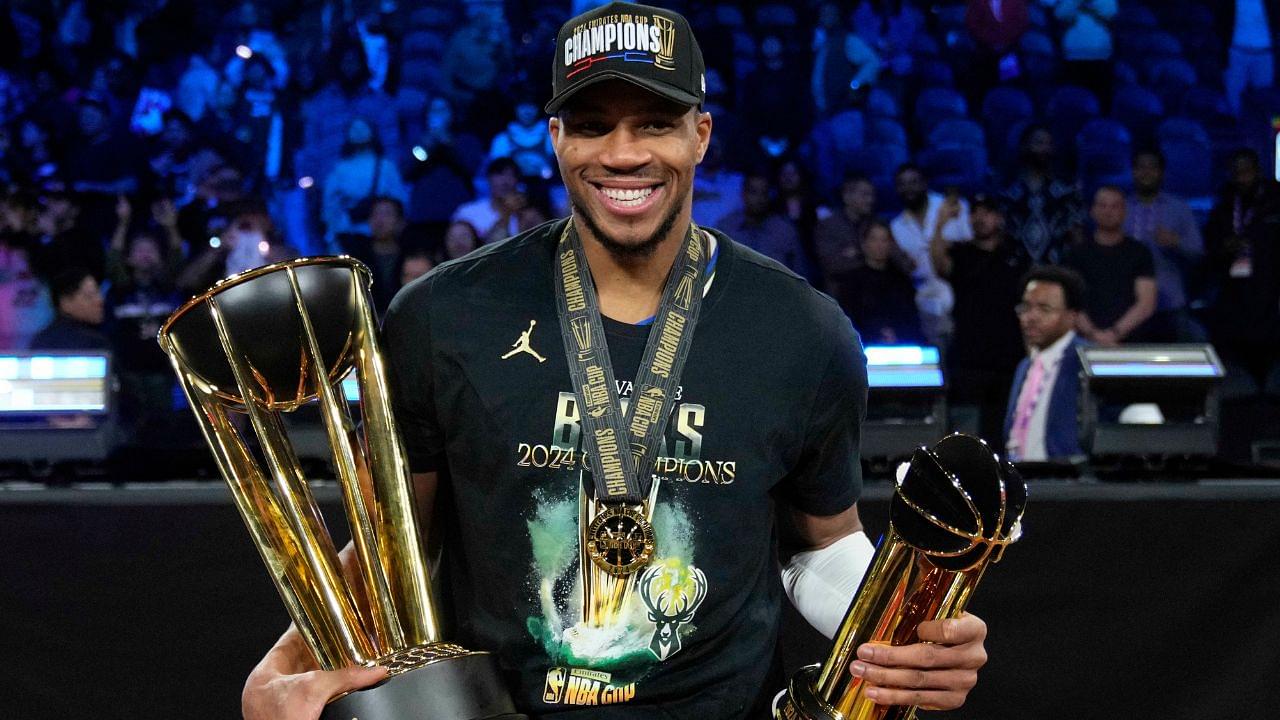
x,y
1111,188
1148,152
66,282
1069,280
907,167
394,202
853,177
1024,137
1245,154
499,165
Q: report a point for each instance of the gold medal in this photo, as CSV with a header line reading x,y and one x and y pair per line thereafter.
x,y
620,540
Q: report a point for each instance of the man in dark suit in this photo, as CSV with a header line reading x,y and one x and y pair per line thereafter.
x,y
1041,422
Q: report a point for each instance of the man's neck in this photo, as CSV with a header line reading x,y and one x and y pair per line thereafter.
x,y
630,287
1148,195
1108,237
852,215
876,263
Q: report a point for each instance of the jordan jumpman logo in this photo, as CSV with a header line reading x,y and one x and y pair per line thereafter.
x,y
522,345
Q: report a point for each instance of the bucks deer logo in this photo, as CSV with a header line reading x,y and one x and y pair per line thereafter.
x,y
672,592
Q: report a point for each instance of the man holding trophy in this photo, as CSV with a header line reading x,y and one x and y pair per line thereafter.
x,y
606,491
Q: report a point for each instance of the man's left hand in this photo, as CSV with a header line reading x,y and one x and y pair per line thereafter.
x,y
935,674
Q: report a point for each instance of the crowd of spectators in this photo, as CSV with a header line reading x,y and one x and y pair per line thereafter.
x,y
913,159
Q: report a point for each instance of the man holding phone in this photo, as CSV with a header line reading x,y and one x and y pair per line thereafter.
x,y
924,213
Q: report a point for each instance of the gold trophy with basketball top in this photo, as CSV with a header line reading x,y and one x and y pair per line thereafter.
x,y
267,342
952,515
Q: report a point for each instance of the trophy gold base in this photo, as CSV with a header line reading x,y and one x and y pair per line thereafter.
x,y
801,702
437,682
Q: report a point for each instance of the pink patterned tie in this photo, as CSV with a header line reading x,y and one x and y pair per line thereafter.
x,y
1027,405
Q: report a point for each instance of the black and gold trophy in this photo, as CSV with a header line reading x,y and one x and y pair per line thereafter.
x,y
952,515
267,342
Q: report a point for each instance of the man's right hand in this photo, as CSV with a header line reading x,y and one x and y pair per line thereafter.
x,y
282,688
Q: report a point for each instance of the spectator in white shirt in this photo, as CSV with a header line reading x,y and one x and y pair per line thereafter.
x,y
485,213
913,228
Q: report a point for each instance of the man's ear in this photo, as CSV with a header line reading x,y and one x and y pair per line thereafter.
x,y
703,129
553,127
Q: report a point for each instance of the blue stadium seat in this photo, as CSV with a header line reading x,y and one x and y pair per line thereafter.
x,y
1006,153
1037,43
1004,100
1103,151
1002,107
932,72
433,17
950,16
1139,109
420,44
1192,21
923,45
730,16
1037,16
885,131
1038,58
1155,44
957,133
1171,78
1069,108
937,104
878,163
1124,74
776,15
1102,132
964,168
1188,163
421,73
848,131
1134,16
1181,129
882,104
1206,106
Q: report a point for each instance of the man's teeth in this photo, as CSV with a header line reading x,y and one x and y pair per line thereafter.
x,y
627,197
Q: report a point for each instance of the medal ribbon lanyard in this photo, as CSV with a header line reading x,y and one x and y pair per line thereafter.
x,y
623,448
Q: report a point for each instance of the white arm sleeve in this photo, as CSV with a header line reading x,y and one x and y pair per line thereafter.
x,y
821,583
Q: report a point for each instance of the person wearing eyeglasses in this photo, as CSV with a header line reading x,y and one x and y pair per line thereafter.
x,y
1041,419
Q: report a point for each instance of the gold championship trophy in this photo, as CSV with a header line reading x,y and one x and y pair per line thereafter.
x,y
267,342
666,47
951,516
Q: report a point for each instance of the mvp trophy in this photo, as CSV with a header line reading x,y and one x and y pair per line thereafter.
x,y
267,342
952,515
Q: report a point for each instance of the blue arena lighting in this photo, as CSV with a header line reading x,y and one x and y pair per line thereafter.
x,y
903,366
1154,370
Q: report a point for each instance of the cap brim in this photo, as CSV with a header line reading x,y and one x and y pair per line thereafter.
x,y
661,89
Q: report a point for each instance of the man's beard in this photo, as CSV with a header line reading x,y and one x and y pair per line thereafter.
x,y
621,250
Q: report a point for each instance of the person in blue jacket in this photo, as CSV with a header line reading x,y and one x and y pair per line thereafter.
x,y
1042,420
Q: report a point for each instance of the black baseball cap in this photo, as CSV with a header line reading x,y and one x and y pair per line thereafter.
x,y
651,47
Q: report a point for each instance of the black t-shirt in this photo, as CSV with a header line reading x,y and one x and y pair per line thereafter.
x,y
769,408
987,287
881,303
1109,272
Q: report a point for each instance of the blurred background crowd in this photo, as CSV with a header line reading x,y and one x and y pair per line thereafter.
x,y
913,159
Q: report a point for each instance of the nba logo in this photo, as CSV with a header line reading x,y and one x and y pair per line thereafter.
x,y
555,686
